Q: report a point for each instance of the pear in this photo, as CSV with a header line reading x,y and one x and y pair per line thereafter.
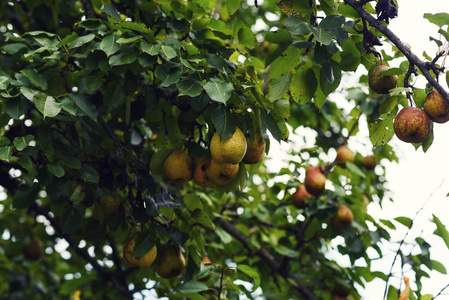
x,y
412,125
231,150
32,250
221,173
315,180
369,162
344,217
178,167
300,196
344,154
382,84
255,151
201,164
436,107
170,263
141,261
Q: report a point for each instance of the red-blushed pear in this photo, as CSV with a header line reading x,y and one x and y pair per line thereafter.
x,y
300,196
344,155
201,164
344,217
382,84
436,107
315,181
369,162
221,173
255,151
412,125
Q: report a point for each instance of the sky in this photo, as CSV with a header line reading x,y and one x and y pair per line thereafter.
x,y
419,182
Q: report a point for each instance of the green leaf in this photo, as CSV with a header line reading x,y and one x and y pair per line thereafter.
x,y
252,273
36,78
47,105
154,49
145,241
332,21
70,219
406,221
109,45
168,76
80,41
56,170
295,8
123,58
286,62
201,217
390,103
441,230
114,96
439,19
111,11
246,37
303,84
223,121
4,141
191,287
439,267
189,87
278,36
89,174
233,6
323,36
192,202
85,105
279,86
353,168
219,91
286,251
381,131
298,26
16,107
6,153
140,27
21,142
26,162
23,198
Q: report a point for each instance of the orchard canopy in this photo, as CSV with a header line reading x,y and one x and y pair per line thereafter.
x,y
97,95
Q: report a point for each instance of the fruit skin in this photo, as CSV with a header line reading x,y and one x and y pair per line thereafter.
x,y
369,162
382,84
344,155
315,181
142,261
170,263
201,164
178,167
231,150
221,173
344,217
108,205
412,125
254,151
436,107
300,196
32,250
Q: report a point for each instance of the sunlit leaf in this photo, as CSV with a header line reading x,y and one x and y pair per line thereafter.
x,y
218,90
441,230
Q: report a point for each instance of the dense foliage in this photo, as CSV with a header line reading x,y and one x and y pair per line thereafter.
x,y
97,94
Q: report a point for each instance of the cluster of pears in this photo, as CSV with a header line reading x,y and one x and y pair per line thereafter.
x,y
315,182
411,125
221,167
168,260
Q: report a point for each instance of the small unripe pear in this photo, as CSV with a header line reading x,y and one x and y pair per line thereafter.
x,y
344,155
170,263
344,217
178,167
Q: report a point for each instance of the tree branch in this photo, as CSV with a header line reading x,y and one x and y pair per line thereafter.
x,y
266,257
411,57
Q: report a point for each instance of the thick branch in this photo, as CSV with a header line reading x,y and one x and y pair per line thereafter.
x,y
412,58
266,257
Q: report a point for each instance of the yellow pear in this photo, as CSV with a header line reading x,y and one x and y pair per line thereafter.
x,y
369,162
221,173
255,151
344,217
201,164
178,167
231,150
170,263
141,261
